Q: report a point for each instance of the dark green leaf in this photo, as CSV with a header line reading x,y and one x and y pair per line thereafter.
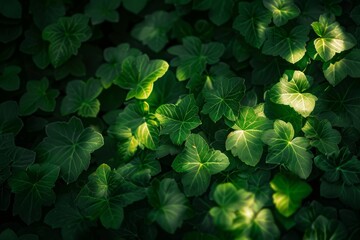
x,y
9,120
11,9
46,12
102,10
9,79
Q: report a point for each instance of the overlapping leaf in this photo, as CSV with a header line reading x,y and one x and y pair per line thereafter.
x,y
282,10
219,10
104,10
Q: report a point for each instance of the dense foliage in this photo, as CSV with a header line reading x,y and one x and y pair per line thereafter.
x,y
179,119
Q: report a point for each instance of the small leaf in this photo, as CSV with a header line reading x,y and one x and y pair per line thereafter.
x,y
81,97
138,74
9,79
169,204
65,37
38,96
178,119
68,145
198,162
282,10
134,6
289,193
102,10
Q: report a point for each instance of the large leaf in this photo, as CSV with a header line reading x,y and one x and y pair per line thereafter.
x,y
282,10
81,97
332,37
65,37
289,193
193,56
198,162
245,142
38,96
252,22
291,46
322,135
68,145
223,98
138,74
102,10
291,91
33,189
178,119
220,11
286,150
169,204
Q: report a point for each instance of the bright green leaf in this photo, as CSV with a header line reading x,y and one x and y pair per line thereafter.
x,y
178,119
198,162
65,37
289,193
332,37
38,96
282,10
102,10
9,79
68,145
81,97
291,91
245,142
169,204
138,74
286,150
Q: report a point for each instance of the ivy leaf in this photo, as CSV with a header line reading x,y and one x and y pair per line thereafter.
x,y
322,135
153,30
11,9
68,145
341,165
220,11
81,97
332,37
223,98
198,162
193,56
178,119
33,189
65,37
282,10
339,70
245,142
138,74
291,91
289,193
9,79
287,150
38,96
105,195
169,204
290,46
104,10
9,120
252,22
114,56
323,228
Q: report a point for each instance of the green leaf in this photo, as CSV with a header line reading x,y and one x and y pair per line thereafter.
x,y
348,194
105,195
65,37
323,228
114,56
46,12
102,10
9,120
178,119
68,145
9,79
291,91
286,150
9,234
355,14
193,56
339,70
223,98
169,204
153,30
138,74
198,162
322,135
290,46
11,9
33,189
134,6
252,22
282,10
220,11
332,37
266,70
339,166
264,226
245,142
38,96
289,193
81,97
